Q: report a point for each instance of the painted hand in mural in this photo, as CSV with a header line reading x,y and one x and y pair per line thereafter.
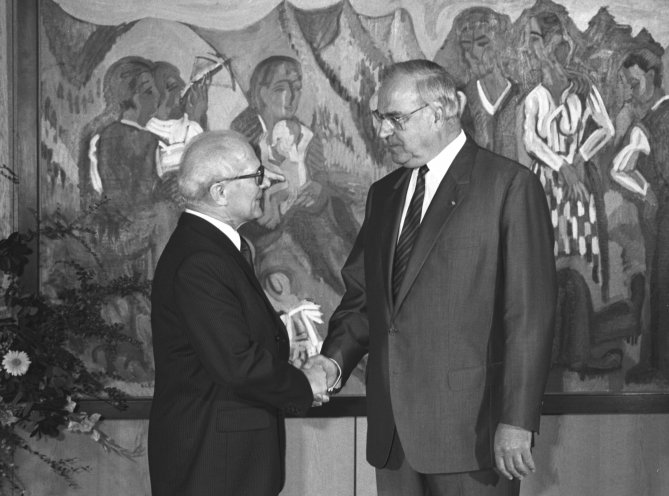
x,y
575,189
196,100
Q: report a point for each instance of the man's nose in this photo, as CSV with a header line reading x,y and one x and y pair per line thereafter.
x,y
385,129
266,183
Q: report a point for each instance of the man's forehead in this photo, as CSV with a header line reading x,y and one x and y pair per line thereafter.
x,y
398,94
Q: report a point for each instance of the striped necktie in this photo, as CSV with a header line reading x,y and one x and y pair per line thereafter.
x,y
409,232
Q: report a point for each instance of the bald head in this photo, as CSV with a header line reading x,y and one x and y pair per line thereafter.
x,y
210,157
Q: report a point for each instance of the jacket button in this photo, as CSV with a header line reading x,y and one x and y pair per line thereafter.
x,y
277,338
393,330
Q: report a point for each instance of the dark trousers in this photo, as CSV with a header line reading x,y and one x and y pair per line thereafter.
x,y
399,479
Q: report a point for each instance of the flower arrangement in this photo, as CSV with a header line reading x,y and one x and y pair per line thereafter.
x,y
41,379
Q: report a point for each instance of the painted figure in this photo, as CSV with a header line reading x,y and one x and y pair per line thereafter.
x,y
557,114
642,167
172,123
319,223
492,97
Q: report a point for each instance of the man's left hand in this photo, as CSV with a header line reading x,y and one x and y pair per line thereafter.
x,y
512,451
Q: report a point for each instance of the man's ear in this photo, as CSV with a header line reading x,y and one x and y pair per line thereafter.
x,y
217,193
462,102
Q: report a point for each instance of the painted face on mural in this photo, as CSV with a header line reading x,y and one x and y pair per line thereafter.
x,y
145,98
477,47
550,34
638,87
171,99
282,95
407,146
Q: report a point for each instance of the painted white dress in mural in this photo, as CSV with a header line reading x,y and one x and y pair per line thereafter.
x,y
554,133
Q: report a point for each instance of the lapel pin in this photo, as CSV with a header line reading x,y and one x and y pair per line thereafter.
x,y
453,202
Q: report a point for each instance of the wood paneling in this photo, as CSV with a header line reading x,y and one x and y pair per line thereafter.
x,y
594,455
6,186
319,460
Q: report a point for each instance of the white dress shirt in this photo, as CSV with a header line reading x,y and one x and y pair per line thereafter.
x,y
437,168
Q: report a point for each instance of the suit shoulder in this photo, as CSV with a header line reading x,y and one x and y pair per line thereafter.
x,y
390,178
491,163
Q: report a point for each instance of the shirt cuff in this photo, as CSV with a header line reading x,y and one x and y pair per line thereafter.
x,y
335,387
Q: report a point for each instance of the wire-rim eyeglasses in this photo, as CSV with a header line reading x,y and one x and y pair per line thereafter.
x,y
396,121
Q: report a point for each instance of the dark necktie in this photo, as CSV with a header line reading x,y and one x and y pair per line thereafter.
x,y
245,250
409,232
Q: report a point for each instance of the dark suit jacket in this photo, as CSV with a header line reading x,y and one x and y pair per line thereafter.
x,y
223,381
467,344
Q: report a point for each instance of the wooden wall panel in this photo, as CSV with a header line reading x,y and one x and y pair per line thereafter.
x,y
594,455
110,475
6,188
320,457
364,472
601,455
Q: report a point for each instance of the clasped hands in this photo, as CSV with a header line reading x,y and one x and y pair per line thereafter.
x,y
322,374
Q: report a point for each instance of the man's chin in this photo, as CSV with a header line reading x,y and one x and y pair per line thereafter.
x,y
402,160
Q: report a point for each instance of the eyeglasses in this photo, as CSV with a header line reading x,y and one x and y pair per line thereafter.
x,y
396,121
259,176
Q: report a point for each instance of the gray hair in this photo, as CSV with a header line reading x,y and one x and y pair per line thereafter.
x,y
209,158
433,83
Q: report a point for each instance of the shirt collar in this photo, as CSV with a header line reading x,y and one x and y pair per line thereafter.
x,y
226,229
445,157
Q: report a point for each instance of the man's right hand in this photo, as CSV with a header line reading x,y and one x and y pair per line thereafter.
x,y
318,381
331,370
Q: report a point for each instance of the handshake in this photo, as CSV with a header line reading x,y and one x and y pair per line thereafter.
x,y
323,374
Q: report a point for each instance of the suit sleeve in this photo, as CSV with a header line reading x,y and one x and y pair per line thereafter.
x,y
208,299
529,298
348,333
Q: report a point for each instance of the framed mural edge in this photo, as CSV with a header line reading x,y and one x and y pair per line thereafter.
x,y
27,122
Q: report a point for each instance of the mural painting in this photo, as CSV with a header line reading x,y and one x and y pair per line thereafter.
x,y
582,107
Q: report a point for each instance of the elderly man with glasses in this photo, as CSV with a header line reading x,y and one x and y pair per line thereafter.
x,y
223,382
451,289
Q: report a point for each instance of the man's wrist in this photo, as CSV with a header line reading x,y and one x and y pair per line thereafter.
x,y
336,386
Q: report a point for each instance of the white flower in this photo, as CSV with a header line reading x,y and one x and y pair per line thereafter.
x,y
81,422
71,405
7,417
16,362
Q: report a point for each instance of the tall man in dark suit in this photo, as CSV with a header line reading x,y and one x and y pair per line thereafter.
x,y
223,382
451,289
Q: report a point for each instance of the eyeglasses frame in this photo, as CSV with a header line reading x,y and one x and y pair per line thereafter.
x,y
259,176
397,122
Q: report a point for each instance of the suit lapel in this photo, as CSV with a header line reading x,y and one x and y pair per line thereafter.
x,y
450,193
215,235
